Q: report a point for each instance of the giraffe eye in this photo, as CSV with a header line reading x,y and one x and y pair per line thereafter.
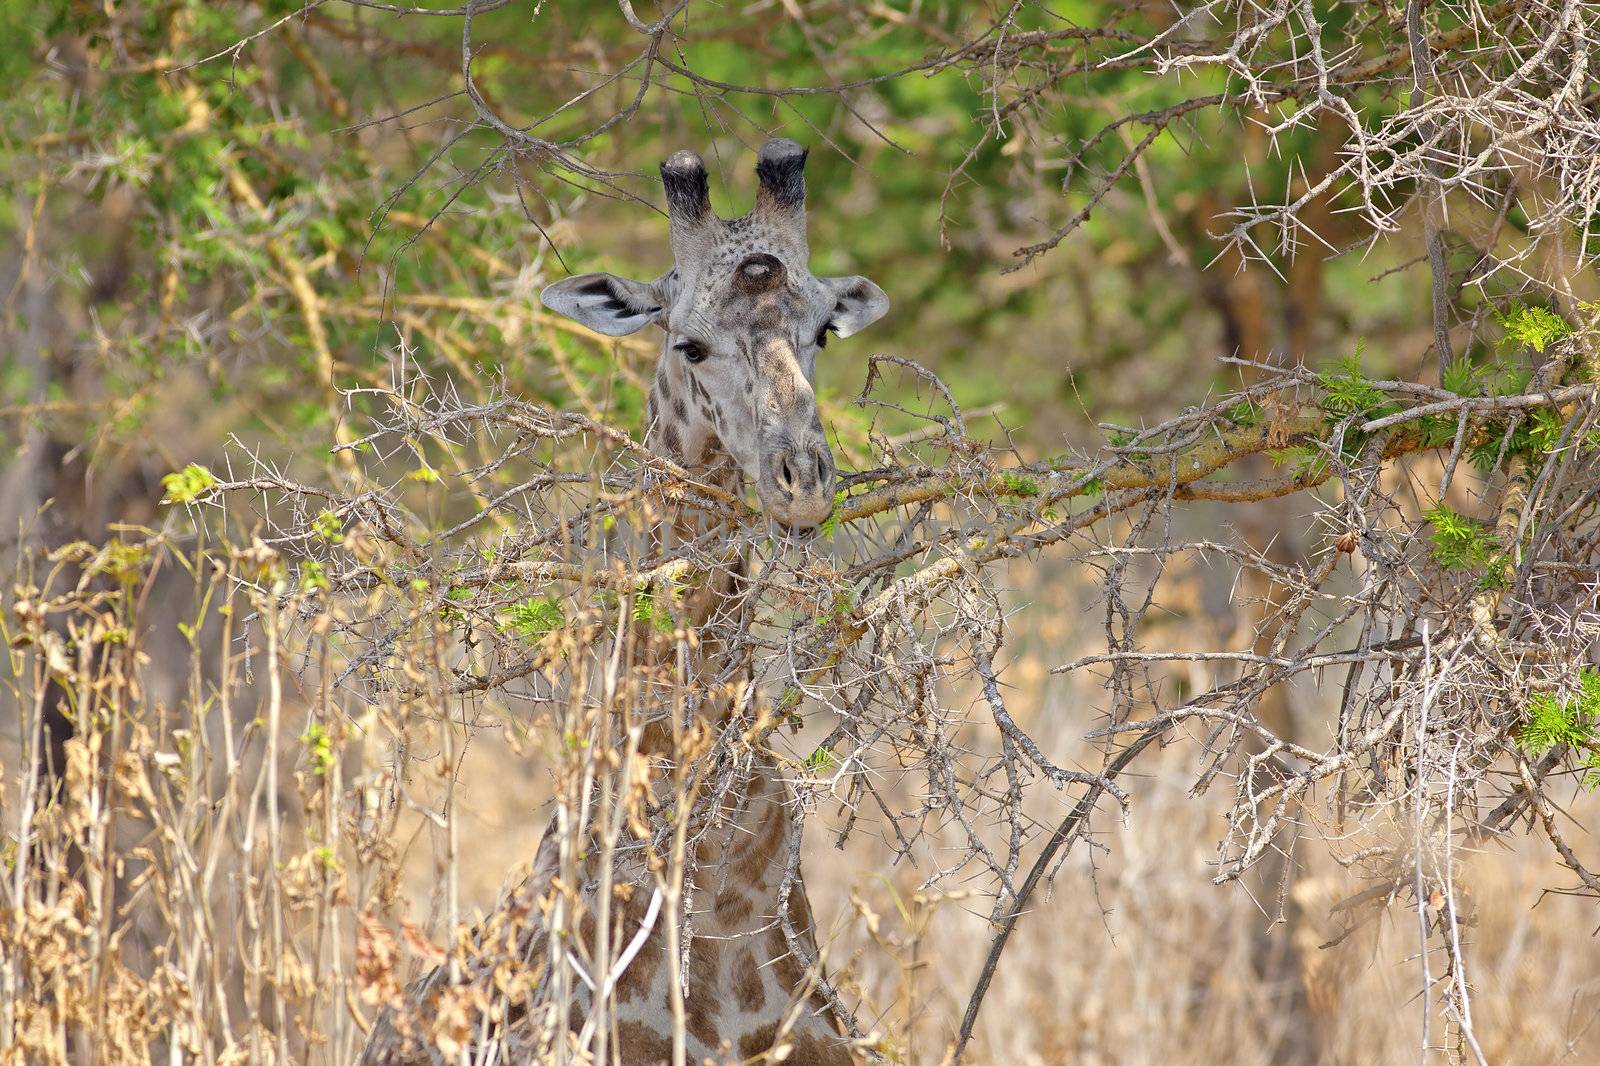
x,y
692,351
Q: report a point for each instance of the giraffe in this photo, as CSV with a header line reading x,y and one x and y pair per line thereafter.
x,y
742,320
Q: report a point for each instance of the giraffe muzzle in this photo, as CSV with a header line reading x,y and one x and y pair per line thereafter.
x,y
796,486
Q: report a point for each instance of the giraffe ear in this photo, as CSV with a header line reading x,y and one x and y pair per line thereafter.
x,y
609,304
858,303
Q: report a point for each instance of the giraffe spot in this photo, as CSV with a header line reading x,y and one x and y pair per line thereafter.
x,y
701,1003
734,907
669,436
810,1051
636,1044
586,927
680,409
784,966
756,862
759,1041
640,976
748,990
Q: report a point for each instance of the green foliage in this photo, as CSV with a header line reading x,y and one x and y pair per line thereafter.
x,y
121,560
1486,450
1121,439
531,619
1347,390
319,745
1244,414
821,760
1534,434
648,610
841,610
1507,380
187,485
1018,485
1461,378
1541,429
313,577
327,526
177,137
1436,431
1532,327
449,613
787,709
830,525
1304,459
1573,723
1462,543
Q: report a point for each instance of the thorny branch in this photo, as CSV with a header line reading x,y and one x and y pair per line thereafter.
x,y
1447,109
883,631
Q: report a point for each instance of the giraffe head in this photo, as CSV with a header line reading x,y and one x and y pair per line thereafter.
x,y
743,319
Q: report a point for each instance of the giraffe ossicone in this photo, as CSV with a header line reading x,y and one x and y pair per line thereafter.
x,y
743,319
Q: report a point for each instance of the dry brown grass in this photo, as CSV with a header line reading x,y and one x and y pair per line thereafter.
x,y
1139,959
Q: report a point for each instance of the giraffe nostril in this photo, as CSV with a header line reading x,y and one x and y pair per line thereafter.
x,y
785,475
822,470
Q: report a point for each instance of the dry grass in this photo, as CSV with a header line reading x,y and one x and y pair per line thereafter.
x,y
1139,959
180,904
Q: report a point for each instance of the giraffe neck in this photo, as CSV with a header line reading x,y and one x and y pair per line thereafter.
x,y
711,607
744,912
745,909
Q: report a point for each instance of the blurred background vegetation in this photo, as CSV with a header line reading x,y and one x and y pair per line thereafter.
x,y
172,208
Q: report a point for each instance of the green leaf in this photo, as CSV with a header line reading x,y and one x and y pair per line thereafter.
x,y
1553,722
1243,414
320,746
1436,431
532,618
1017,485
327,525
312,576
646,609
1459,542
1348,391
831,523
188,484
1533,327
821,760
1461,378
